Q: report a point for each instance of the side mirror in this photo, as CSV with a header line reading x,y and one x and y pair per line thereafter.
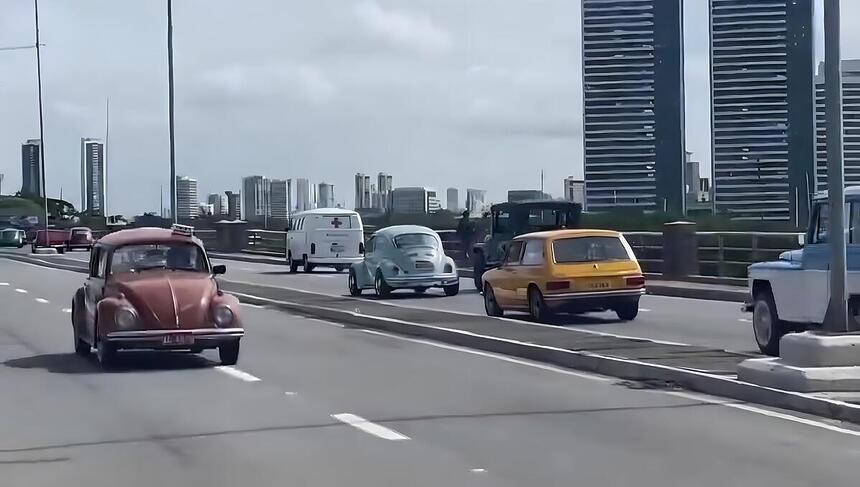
x,y
219,269
801,239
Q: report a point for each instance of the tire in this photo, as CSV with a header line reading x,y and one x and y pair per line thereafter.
x,y
451,290
82,348
339,268
32,249
478,267
537,307
768,329
196,350
627,311
106,354
420,290
490,304
352,282
229,353
294,265
307,266
383,290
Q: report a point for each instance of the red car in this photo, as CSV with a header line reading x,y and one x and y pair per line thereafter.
x,y
80,238
51,238
154,289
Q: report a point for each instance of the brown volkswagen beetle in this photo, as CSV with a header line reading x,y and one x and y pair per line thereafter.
x,y
154,288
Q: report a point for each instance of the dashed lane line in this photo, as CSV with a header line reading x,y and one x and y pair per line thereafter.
x,y
42,300
66,310
22,291
236,373
369,427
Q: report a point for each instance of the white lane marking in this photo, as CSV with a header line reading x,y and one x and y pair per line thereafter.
x,y
504,358
369,427
4,283
66,310
289,393
238,374
246,269
42,300
765,412
329,323
249,305
478,470
745,320
22,291
645,310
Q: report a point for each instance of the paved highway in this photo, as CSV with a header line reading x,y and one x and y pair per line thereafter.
x,y
690,321
313,403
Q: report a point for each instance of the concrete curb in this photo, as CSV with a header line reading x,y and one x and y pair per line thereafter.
x,y
613,366
254,259
735,296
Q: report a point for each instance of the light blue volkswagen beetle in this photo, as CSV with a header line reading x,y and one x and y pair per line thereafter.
x,y
404,257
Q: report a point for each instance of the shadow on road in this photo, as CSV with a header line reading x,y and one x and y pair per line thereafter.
x,y
69,363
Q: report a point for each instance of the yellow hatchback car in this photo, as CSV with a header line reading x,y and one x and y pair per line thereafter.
x,y
573,271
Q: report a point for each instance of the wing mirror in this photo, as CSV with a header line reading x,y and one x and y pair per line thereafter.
x,y
219,269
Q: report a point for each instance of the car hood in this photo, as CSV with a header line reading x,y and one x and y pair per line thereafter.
x,y
169,299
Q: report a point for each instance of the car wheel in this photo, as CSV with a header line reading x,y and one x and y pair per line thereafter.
x,y
420,290
537,306
627,311
307,266
478,267
229,353
339,268
452,289
490,304
105,353
383,290
767,327
32,249
354,290
294,265
82,348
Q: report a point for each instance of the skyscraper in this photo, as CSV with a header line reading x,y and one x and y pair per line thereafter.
x,y
31,168
234,205
255,198
303,195
414,200
633,104
219,202
850,124
453,200
187,206
280,195
93,177
325,195
363,194
383,188
475,200
762,108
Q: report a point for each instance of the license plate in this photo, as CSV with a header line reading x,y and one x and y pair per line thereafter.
x,y
599,285
336,248
175,339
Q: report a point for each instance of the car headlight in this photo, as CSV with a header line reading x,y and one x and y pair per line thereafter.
x,y
222,315
125,318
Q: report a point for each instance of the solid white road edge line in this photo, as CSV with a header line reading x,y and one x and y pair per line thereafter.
x,y
504,358
765,412
368,427
42,300
238,374
22,291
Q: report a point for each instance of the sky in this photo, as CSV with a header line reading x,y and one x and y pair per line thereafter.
x,y
438,93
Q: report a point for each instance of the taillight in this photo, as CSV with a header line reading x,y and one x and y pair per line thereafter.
x,y
557,285
313,248
637,281
360,247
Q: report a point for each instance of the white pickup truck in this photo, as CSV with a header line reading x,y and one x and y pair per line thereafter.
x,y
791,294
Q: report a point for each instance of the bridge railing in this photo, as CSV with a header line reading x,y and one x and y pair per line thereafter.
x,y
270,242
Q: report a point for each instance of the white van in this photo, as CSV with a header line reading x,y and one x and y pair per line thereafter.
x,y
331,237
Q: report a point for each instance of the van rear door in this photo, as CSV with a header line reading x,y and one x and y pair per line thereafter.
x,y
336,236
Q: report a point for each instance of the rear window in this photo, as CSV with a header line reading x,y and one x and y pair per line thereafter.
x,y
588,249
338,222
415,240
9,233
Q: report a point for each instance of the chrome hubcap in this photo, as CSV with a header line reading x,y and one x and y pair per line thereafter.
x,y
352,282
762,322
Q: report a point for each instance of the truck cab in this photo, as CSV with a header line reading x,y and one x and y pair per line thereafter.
x,y
792,293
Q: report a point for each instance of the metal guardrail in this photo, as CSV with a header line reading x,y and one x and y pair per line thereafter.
x,y
720,254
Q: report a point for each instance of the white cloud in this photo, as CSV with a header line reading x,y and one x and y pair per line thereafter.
x,y
412,30
303,82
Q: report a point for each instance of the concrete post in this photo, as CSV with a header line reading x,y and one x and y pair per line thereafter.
x,y
231,236
680,250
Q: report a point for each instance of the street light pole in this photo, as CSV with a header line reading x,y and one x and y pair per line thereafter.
x,y
836,319
170,109
41,121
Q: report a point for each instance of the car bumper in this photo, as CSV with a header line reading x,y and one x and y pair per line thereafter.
x,y
334,260
431,280
590,300
155,339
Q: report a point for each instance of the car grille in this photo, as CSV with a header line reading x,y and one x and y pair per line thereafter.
x,y
423,265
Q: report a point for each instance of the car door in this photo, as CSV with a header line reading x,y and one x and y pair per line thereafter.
x,y
94,289
531,269
507,283
371,259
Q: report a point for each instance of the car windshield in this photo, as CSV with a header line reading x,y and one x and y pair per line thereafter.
x,y
588,249
408,240
174,256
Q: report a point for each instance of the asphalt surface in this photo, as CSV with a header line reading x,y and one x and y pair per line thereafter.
x,y
434,415
697,322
